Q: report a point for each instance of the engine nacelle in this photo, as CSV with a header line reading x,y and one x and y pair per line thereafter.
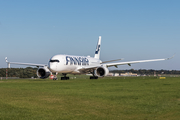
x,y
101,71
43,72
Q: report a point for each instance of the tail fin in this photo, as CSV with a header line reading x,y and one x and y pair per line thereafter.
x,y
97,52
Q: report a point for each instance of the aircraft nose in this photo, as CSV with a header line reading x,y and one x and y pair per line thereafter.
x,y
52,67
49,65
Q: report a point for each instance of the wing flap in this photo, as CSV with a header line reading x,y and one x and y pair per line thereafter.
x,y
88,69
112,60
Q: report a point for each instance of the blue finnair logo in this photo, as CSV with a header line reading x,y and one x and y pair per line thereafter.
x,y
76,60
97,49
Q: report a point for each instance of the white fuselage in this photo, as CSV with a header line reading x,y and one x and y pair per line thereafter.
x,y
71,64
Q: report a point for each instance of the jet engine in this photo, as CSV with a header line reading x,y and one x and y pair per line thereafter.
x,y
101,71
43,72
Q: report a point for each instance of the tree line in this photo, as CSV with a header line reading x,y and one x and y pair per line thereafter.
x,y
31,72
19,72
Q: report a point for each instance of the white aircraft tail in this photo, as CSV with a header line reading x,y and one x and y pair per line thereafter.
x,y
97,52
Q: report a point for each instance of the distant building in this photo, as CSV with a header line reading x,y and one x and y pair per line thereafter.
x,y
110,74
128,74
116,74
122,74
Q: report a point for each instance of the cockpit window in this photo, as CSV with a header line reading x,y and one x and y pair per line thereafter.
x,y
54,61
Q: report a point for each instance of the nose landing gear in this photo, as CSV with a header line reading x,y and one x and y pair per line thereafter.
x,y
64,78
55,76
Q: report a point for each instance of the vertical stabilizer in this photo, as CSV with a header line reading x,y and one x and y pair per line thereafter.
x,y
97,52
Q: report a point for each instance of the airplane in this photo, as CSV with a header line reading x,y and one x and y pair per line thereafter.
x,y
76,65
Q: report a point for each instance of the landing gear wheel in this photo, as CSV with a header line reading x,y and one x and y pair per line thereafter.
x,y
54,78
93,77
64,78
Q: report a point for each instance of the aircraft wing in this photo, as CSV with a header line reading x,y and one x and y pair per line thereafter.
x,y
132,62
29,64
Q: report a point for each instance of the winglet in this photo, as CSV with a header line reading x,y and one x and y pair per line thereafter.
x,y
170,57
6,59
97,52
8,63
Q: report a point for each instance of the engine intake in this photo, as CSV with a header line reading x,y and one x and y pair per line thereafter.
x,y
101,71
43,72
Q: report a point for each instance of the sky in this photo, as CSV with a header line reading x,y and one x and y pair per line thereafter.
x,y
33,31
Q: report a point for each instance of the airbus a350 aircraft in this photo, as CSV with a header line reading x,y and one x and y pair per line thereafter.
x,y
70,64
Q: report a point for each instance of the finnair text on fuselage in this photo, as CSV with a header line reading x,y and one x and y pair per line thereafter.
x,y
76,60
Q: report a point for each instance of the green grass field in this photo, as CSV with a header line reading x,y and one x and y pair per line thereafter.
x,y
119,98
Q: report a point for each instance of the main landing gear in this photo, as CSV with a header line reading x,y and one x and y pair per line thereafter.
x,y
64,78
93,77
